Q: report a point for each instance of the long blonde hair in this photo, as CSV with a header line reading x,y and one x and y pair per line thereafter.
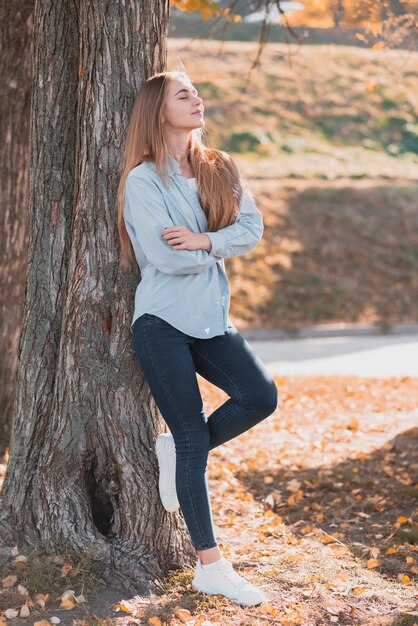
x,y
219,183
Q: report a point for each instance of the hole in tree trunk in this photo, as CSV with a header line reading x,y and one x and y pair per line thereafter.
x,y
101,494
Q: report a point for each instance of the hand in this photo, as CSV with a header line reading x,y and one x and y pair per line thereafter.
x,y
181,238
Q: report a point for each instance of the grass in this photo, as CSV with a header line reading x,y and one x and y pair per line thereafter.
x,y
330,97
329,145
331,253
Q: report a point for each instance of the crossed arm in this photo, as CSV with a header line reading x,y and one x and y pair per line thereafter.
x,y
243,235
146,214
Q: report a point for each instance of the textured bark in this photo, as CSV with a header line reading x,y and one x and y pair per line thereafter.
x,y
15,90
82,464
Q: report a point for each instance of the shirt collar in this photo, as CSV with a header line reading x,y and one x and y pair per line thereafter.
x,y
173,166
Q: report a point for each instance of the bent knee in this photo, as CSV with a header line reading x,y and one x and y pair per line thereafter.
x,y
266,400
271,398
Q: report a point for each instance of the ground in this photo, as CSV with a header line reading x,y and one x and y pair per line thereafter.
x,y
317,504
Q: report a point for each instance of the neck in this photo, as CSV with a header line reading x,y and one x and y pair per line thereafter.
x,y
179,148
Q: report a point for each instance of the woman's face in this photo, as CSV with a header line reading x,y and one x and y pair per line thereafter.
x,y
183,107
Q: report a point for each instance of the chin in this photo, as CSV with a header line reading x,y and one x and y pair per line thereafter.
x,y
193,126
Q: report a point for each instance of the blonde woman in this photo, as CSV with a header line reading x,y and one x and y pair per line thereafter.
x,y
182,209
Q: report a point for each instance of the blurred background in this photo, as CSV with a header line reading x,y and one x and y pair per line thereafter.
x,y
321,117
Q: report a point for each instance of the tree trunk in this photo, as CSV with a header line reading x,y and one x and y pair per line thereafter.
x,y
15,90
337,11
392,8
82,467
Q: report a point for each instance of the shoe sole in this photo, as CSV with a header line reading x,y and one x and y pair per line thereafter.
x,y
213,592
162,449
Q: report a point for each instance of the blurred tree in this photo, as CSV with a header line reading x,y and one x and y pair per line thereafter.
x,y
376,16
337,10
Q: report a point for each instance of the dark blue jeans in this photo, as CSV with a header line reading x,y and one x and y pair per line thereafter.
x,y
169,360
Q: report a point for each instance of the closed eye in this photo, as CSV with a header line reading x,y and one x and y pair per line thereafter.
x,y
185,97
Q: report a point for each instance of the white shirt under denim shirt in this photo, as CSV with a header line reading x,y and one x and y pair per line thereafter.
x,y
189,289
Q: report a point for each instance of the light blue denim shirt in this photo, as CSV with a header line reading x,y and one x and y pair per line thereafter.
x,y
189,289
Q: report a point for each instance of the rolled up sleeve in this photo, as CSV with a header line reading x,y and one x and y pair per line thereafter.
x,y
240,237
145,211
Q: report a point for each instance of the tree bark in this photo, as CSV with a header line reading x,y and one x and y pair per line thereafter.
x,y
82,467
15,91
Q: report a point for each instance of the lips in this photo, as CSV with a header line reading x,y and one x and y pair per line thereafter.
x,y
198,112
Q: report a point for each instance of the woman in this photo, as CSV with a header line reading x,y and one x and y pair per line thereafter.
x,y
182,209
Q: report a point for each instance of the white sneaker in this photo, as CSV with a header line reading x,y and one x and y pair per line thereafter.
x,y
222,578
166,455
